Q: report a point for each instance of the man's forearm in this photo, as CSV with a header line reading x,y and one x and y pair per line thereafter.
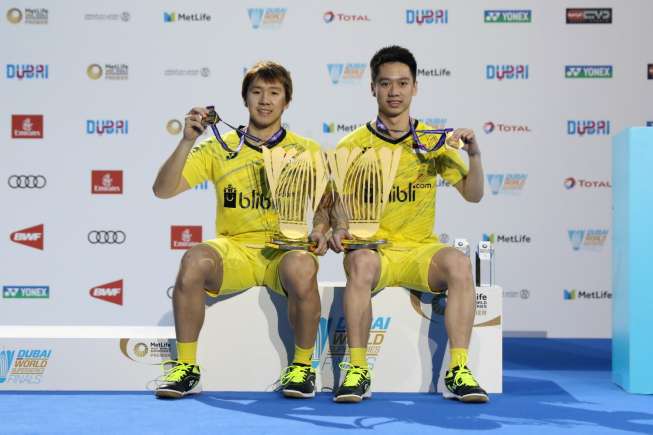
x,y
169,175
474,182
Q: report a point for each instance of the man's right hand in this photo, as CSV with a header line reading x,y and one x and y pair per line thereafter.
x,y
193,127
337,236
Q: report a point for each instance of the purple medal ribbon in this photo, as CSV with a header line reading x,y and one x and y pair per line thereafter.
x,y
380,126
243,134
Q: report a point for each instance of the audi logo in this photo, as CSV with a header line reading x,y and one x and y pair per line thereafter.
x,y
107,237
27,181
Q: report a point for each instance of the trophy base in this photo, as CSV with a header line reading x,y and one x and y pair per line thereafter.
x,y
291,245
353,244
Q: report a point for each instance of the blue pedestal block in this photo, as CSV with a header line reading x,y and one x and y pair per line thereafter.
x,y
632,260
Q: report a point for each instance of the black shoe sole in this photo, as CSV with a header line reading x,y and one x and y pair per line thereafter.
x,y
174,394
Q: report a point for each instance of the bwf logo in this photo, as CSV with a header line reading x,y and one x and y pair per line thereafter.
x,y
32,237
110,292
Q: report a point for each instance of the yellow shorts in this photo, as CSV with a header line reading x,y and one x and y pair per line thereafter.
x,y
247,265
407,267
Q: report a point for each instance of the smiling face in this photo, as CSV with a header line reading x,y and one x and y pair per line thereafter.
x,y
266,101
394,88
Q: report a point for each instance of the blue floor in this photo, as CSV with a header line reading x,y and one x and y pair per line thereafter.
x,y
550,386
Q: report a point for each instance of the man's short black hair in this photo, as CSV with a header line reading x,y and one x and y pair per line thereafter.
x,y
393,53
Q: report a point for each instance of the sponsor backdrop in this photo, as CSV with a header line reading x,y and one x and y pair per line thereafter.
x,y
94,96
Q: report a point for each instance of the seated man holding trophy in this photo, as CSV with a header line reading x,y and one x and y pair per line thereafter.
x,y
266,180
385,175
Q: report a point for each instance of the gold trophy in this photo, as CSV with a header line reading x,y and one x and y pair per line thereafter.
x,y
297,181
363,179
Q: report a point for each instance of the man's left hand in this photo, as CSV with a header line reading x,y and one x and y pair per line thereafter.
x,y
469,139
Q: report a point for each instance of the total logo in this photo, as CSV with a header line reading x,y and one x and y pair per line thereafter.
x,y
588,127
30,16
185,236
110,71
506,72
266,18
346,73
588,71
106,182
589,240
110,292
33,237
332,127
27,126
573,294
427,16
26,292
490,127
506,238
378,331
571,182
330,17
23,366
173,17
102,127
510,184
27,71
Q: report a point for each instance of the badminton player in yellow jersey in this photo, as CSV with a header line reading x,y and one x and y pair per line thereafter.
x,y
237,258
415,257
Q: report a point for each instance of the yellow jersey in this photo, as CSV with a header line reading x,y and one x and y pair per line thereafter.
x,y
409,215
244,209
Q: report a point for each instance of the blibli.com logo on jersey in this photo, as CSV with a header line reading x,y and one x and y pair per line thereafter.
x,y
588,127
23,366
266,18
343,73
397,194
587,240
232,198
506,183
378,331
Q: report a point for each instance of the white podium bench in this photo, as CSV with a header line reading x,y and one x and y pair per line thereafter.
x,y
407,347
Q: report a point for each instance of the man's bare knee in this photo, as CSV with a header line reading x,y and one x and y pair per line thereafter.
x,y
362,266
199,265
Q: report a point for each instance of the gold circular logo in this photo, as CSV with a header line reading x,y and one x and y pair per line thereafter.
x,y
94,71
174,126
14,15
140,349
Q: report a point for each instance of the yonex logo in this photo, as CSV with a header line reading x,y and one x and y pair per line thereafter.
x,y
27,181
106,237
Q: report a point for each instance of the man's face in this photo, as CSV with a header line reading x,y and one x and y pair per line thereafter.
x,y
394,88
266,101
